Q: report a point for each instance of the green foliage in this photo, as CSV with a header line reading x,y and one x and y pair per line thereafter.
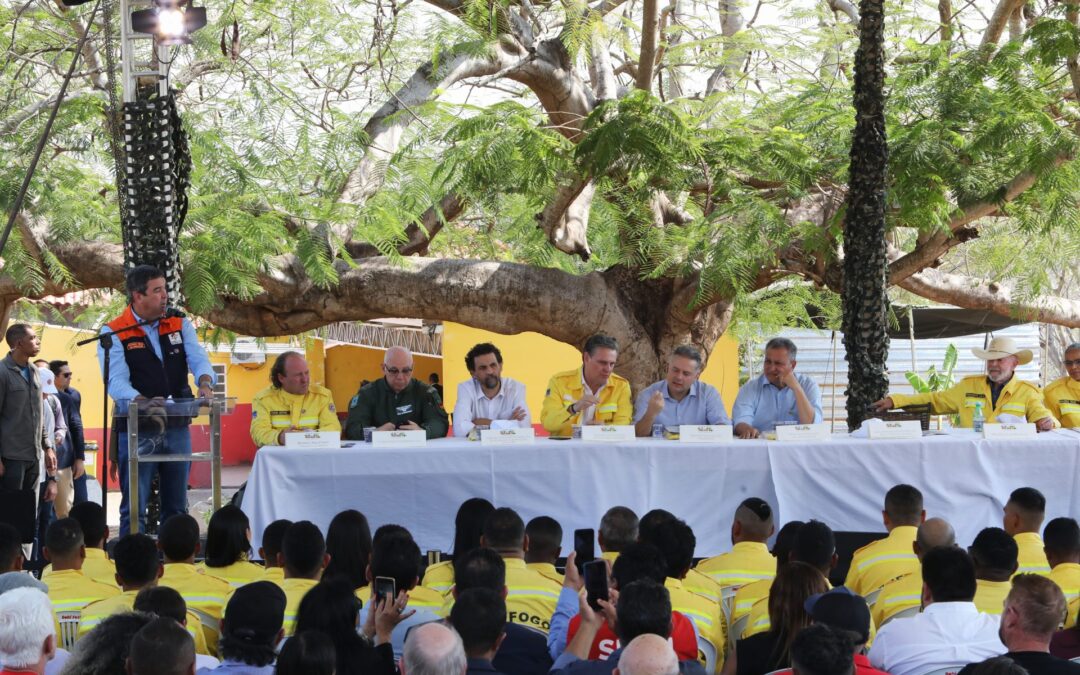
x,y
936,379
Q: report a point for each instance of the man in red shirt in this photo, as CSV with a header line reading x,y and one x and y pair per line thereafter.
x,y
27,635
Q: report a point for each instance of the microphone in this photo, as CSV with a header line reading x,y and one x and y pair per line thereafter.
x,y
174,313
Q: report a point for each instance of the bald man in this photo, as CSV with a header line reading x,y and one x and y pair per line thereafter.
x,y
648,655
906,592
433,649
397,401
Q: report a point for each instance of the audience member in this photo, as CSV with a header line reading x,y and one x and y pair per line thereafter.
x,y
161,647
1024,513
95,529
879,562
27,637
487,398
434,649
468,528
104,650
71,451
750,594
167,602
843,611
478,616
21,416
950,631
11,549
308,653
303,557
270,551
696,582
995,555
749,559
545,545
999,665
1034,609
332,608
69,590
680,398
1061,542
618,530
822,650
648,655
348,543
228,548
778,395
292,402
905,593
767,651
591,394
251,630
178,540
397,401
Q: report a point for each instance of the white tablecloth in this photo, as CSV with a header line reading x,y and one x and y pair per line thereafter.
x,y
842,482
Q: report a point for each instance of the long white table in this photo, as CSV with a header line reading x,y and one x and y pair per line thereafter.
x,y
842,482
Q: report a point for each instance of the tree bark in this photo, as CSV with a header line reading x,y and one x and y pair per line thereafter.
x,y
650,30
971,293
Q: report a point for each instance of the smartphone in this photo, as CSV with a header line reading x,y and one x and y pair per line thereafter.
x,y
584,542
385,586
596,582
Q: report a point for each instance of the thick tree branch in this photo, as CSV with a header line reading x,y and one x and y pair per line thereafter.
x,y
418,236
12,123
1000,20
650,35
846,8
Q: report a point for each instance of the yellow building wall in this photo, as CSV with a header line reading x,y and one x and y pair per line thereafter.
x,y
346,365
532,359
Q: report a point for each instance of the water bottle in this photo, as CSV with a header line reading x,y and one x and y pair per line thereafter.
x,y
978,420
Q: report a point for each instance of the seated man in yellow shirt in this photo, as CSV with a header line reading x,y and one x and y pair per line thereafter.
x,y
591,394
96,565
69,590
879,562
303,557
1061,539
994,554
996,393
1023,519
1062,396
906,592
270,551
204,594
291,403
545,544
749,559
748,595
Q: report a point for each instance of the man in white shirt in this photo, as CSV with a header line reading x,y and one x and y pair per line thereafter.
x,y
488,398
950,631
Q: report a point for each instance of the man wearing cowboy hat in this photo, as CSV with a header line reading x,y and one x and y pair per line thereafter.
x,y
1063,395
998,391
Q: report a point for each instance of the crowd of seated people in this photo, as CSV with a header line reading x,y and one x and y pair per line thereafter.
x,y
914,602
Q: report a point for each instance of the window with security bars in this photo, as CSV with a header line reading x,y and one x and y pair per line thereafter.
x,y
219,378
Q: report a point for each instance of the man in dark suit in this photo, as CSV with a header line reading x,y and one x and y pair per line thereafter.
x,y
71,453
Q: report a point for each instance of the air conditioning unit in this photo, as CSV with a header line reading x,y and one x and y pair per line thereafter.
x,y
241,358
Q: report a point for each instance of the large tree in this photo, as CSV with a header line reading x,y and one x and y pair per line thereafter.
x,y
650,171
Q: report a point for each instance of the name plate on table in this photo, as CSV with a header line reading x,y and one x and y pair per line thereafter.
x,y
803,432
515,436
610,433
1001,430
895,429
313,439
399,438
706,433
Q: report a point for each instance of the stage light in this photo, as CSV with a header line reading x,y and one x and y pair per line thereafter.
x,y
171,22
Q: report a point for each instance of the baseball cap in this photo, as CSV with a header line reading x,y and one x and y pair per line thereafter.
x,y
48,380
840,608
255,613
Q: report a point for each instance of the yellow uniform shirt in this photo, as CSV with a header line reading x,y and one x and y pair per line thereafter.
x,y
530,596
421,598
295,590
273,410
1062,398
881,561
566,387
96,612
548,570
747,596
990,596
274,574
1071,615
1018,397
1067,577
205,596
96,567
896,596
746,562
237,574
69,592
610,555
1032,557
702,584
440,577
706,614
759,621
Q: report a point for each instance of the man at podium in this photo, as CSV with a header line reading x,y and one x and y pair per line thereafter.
x,y
151,363
291,403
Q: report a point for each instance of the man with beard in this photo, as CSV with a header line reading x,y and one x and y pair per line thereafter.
x,y
488,398
997,393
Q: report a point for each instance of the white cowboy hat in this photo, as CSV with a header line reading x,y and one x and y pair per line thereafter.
x,y
1000,347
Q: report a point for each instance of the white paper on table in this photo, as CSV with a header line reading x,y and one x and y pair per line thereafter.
x,y
610,433
399,438
312,439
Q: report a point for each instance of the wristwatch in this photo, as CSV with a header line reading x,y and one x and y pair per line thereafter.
x,y
570,409
50,477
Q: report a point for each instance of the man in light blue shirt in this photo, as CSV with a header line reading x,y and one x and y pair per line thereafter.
x,y
679,398
778,396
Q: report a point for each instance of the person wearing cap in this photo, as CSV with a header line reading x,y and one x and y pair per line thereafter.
x,y
843,610
54,433
1062,545
998,392
591,394
251,630
1062,396
680,398
879,562
906,592
749,559
1023,519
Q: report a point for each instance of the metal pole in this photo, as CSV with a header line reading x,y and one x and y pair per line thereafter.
x,y
134,510
217,409
103,476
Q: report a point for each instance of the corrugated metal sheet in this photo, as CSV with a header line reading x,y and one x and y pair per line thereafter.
x,y
816,359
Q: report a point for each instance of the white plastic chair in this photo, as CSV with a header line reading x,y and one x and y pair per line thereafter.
x,y
872,596
708,650
910,611
69,628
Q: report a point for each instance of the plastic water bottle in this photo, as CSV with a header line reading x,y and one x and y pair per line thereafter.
x,y
978,419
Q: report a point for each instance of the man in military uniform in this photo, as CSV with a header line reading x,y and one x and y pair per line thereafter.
x,y
397,401
291,403
1063,395
998,392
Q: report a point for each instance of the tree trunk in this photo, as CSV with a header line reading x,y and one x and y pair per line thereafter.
x,y
865,251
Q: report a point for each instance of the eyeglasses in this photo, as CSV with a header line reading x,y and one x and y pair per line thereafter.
x,y
396,371
1070,364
